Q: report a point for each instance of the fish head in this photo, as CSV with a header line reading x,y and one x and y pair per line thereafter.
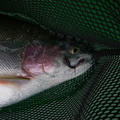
x,y
75,54
40,58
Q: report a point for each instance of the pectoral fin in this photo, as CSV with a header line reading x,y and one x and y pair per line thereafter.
x,y
12,79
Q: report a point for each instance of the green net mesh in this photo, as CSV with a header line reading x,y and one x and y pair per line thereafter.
x,y
93,95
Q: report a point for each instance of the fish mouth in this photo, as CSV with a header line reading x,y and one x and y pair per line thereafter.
x,y
79,62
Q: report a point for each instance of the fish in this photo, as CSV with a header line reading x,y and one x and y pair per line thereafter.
x,y
31,60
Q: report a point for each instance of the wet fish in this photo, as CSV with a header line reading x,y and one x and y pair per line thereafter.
x,y
31,61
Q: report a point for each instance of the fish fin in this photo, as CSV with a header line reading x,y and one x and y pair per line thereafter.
x,y
14,77
2,82
13,80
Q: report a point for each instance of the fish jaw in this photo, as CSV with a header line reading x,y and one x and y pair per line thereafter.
x,y
73,63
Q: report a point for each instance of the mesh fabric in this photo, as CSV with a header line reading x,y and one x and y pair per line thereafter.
x,y
93,95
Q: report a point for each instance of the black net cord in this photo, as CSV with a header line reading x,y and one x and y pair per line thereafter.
x,y
86,96
101,53
96,56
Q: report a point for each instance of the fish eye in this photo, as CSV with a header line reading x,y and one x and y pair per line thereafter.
x,y
74,50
